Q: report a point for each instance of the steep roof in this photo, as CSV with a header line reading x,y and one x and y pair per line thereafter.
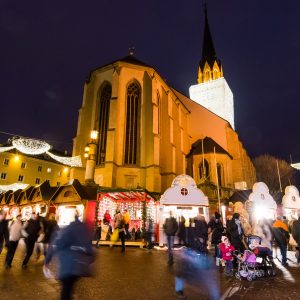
x,y
208,147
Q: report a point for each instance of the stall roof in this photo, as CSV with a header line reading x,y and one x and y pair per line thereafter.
x,y
239,196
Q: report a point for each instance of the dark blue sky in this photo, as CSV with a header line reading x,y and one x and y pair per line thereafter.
x,y
48,47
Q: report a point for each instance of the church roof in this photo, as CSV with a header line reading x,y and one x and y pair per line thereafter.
x,y
208,147
208,49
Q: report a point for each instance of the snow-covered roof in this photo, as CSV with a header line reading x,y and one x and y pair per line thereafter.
x,y
261,196
184,192
291,198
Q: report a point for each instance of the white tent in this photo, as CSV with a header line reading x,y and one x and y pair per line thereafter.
x,y
291,202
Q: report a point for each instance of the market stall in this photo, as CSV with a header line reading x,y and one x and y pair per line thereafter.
x,y
291,202
261,204
183,198
139,204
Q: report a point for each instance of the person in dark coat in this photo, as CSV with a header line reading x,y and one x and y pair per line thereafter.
x,y
170,228
3,231
235,232
182,231
50,230
200,234
296,235
216,228
73,248
32,229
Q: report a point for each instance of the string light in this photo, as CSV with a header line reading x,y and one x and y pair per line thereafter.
x,y
4,149
74,161
13,187
31,146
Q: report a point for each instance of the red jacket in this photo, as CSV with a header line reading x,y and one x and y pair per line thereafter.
x,y
226,251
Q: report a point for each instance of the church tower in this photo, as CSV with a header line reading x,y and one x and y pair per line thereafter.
x,y
212,90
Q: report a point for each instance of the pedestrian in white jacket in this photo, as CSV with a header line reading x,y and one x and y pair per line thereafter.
x,y
15,233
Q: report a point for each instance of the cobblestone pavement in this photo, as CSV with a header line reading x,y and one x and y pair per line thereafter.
x,y
139,274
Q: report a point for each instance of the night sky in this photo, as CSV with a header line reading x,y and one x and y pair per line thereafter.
x,y
49,47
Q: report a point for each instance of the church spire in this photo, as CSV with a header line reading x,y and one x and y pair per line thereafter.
x,y
210,67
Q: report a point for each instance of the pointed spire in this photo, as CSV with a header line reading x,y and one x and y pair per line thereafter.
x,y
208,48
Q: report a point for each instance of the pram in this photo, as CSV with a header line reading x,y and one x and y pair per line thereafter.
x,y
247,266
264,259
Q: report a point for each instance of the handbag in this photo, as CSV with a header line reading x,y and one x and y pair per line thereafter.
x,y
115,235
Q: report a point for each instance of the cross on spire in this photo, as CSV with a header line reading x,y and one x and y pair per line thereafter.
x,y
131,50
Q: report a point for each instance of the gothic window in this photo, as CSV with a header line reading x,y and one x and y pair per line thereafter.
x,y
204,170
104,103
132,124
219,172
207,75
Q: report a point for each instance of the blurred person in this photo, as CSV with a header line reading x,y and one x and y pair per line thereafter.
x,y
235,232
170,227
4,237
107,220
32,230
281,235
120,225
296,236
126,217
15,233
98,233
149,232
195,268
182,231
73,248
50,230
216,228
201,234
226,250
40,246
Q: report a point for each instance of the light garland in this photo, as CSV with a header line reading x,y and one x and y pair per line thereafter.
x,y
4,149
13,187
296,166
74,161
37,147
31,146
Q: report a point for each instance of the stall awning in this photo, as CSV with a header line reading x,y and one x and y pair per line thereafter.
x,y
125,195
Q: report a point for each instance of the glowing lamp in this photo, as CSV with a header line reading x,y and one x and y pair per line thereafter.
x,y
17,158
94,134
66,169
87,149
86,155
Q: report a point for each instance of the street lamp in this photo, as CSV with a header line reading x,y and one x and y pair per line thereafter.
x,y
91,155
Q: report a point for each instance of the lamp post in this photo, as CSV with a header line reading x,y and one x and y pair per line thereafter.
x,y
91,156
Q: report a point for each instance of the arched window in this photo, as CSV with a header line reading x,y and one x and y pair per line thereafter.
x,y
204,170
207,75
219,172
132,124
104,103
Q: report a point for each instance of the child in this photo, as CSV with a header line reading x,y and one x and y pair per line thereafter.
x,y
226,250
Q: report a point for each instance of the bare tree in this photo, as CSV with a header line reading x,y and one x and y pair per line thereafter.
x,y
266,171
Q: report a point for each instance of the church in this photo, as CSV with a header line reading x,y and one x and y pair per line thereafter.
x,y
149,133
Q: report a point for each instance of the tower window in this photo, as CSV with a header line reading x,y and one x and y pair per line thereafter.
x,y
104,103
20,178
204,171
3,176
37,181
6,162
219,172
132,124
23,165
39,168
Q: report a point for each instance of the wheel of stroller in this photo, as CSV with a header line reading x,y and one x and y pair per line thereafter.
x,y
260,273
273,272
237,275
249,278
269,272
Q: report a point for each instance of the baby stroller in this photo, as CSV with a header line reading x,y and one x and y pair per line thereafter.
x,y
264,258
247,266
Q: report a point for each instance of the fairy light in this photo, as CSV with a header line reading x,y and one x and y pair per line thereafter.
x,y
13,187
4,149
74,161
31,146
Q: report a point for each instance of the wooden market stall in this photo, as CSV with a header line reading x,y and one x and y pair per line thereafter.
x,y
291,202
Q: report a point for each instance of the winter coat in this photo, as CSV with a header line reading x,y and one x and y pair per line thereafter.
x,y
50,227
281,233
296,231
226,251
182,231
217,229
3,231
233,235
15,230
170,226
33,228
72,246
201,229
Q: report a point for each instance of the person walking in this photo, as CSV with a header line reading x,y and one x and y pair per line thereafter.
x,y
170,227
73,248
50,230
281,235
32,229
15,233
98,233
235,232
181,231
149,232
216,228
120,225
126,217
201,234
296,235
3,231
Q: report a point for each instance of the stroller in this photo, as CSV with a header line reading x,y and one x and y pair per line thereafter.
x,y
264,258
247,266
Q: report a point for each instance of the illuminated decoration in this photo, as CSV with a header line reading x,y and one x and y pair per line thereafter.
x,y
94,134
31,146
66,214
74,161
37,147
291,202
216,96
13,187
4,149
16,158
296,166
